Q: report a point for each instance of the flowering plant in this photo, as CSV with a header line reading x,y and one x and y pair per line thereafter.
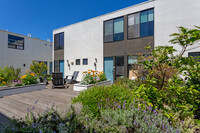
x,y
2,82
29,78
92,77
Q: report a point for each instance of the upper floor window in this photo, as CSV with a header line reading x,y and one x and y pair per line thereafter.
x,y
59,41
15,42
134,25
114,30
141,24
147,23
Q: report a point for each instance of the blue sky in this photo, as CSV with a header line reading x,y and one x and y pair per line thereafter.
x,y
40,17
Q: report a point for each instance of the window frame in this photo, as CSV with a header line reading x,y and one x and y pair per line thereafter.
x,y
113,29
14,44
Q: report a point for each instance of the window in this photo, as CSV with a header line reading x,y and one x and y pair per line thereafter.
x,y
147,23
119,29
132,60
56,66
85,61
108,31
195,55
134,25
114,30
15,42
59,41
78,62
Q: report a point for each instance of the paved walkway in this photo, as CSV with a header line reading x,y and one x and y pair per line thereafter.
x,y
17,105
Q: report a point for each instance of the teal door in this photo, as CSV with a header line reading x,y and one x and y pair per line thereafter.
x,y
62,67
108,68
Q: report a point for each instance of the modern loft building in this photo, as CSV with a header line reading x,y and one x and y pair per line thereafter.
x,y
111,42
19,51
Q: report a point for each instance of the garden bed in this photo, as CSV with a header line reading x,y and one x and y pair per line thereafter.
x,y
79,87
6,91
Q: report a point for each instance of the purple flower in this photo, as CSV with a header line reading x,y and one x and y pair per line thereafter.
x,y
177,131
36,101
53,105
163,126
190,126
33,107
182,122
145,111
124,104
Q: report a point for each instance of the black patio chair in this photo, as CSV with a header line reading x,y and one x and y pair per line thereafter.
x,y
72,78
57,80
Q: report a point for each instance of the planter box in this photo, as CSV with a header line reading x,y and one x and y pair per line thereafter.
x,y
79,87
6,91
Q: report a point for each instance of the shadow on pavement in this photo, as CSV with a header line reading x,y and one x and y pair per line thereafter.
x,y
4,121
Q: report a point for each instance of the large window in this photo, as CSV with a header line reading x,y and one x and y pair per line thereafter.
x,y
114,30
134,25
147,23
59,41
141,24
15,42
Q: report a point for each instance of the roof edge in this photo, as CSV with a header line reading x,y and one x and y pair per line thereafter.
x,y
23,35
106,14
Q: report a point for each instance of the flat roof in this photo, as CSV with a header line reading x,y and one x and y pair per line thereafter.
x,y
23,36
108,13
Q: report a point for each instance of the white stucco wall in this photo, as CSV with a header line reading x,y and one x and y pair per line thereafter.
x,y
85,40
34,49
170,14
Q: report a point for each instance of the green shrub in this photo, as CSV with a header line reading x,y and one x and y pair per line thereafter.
x,y
49,122
131,119
29,79
104,96
38,68
7,74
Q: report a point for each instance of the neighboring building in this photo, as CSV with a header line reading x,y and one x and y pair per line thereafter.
x,y
111,41
19,51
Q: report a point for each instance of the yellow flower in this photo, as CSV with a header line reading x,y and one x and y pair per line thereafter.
x,y
89,72
85,72
24,76
4,82
32,74
1,78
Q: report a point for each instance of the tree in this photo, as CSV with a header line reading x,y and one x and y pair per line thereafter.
x,y
186,37
38,68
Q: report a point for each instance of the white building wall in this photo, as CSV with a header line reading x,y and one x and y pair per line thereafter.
x,y
170,14
85,40
34,49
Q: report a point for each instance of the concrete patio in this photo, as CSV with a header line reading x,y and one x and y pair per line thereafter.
x,y
17,105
